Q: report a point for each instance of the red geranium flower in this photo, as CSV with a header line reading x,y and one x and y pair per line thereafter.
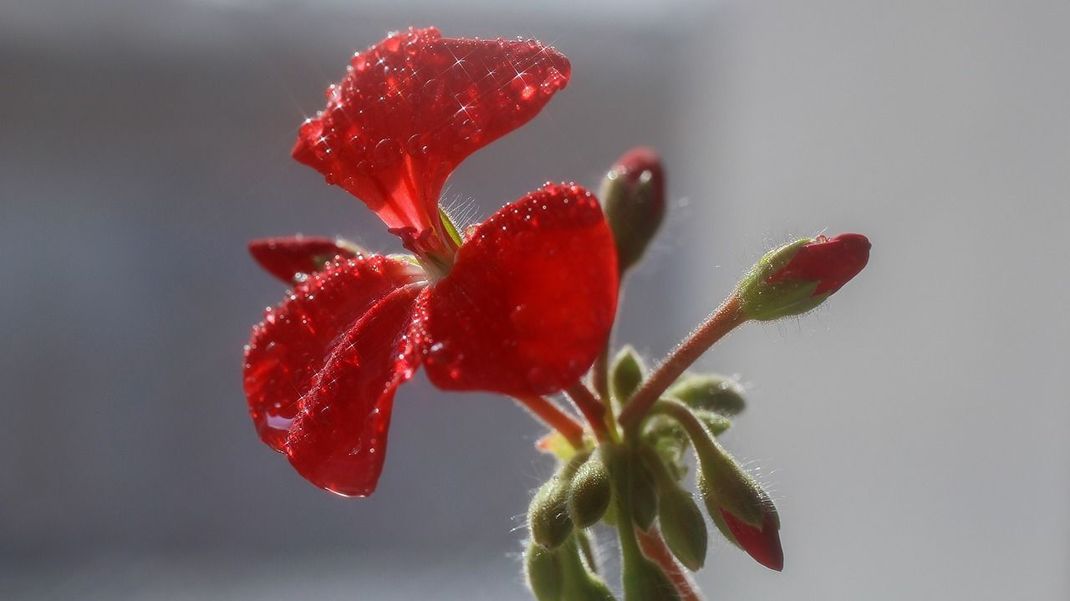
x,y
521,306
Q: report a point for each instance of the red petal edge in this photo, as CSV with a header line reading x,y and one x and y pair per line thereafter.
x,y
763,544
288,257
295,338
413,106
530,301
338,440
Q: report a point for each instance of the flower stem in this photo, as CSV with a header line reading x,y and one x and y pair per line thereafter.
x,y
722,321
555,417
591,408
600,375
656,550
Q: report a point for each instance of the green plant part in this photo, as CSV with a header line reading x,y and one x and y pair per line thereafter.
x,y
548,517
709,392
627,373
590,493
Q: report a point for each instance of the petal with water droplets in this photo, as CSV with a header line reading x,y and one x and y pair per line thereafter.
x,y
287,258
338,440
530,302
412,107
295,338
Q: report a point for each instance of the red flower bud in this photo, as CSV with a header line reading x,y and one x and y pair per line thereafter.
x,y
798,277
634,196
831,262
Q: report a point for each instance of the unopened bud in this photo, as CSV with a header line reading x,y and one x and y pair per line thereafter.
x,y
798,277
590,493
626,375
634,196
738,505
548,517
681,520
710,392
544,573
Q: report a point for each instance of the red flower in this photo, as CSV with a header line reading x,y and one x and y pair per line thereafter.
x,y
521,307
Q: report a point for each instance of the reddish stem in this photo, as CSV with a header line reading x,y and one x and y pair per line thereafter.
x,y
720,322
590,407
555,417
656,550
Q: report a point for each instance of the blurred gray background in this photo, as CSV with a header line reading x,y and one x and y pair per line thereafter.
x,y
912,430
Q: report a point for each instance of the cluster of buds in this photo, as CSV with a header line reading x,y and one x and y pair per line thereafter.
x,y
631,472
522,305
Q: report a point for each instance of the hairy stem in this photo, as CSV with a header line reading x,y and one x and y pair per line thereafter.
x,y
656,550
555,417
722,321
591,408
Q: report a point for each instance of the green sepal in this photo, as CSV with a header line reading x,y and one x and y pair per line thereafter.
x,y
764,301
627,373
451,230
634,215
710,392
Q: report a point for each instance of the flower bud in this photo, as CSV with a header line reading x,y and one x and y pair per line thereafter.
x,y
590,493
626,375
738,506
681,520
710,392
544,573
798,277
634,196
548,517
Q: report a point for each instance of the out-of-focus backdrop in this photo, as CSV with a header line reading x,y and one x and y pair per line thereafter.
x,y
913,430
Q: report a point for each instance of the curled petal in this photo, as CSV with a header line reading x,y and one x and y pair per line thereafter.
x,y
530,301
412,107
295,338
338,439
287,258
830,262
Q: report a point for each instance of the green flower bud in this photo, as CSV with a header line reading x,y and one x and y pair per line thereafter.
x,y
548,517
627,374
682,524
633,193
544,573
710,392
590,493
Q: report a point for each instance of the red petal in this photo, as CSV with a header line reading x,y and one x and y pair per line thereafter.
x,y
286,258
832,262
413,106
530,301
295,338
338,440
763,544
